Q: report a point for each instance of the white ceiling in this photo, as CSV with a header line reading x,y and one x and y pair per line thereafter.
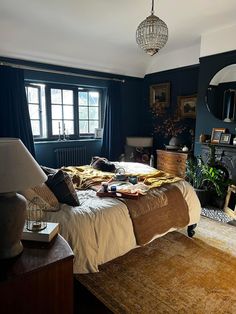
x,y
100,34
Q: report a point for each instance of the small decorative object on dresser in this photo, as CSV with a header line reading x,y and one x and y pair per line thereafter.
x,y
215,135
225,138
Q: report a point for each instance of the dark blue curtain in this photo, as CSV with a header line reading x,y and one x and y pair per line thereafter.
x,y
14,112
112,145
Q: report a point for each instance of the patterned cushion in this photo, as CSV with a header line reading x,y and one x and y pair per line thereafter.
x,y
45,195
61,185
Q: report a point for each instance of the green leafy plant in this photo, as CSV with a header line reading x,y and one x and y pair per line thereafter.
x,y
207,177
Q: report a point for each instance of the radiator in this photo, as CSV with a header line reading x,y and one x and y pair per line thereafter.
x,y
70,156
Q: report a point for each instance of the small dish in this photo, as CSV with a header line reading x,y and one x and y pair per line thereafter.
x,y
172,147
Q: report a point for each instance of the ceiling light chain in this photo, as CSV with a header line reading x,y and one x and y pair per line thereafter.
x,y
152,33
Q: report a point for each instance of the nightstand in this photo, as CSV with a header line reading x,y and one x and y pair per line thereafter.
x,y
172,162
40,280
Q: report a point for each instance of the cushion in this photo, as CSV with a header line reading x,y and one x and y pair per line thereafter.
x,y
48,170
46,197
61,185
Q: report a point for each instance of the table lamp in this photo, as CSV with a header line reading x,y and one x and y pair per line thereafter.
x,y
18,171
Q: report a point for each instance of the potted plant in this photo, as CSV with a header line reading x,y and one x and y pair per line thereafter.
x,y
206,179
195,176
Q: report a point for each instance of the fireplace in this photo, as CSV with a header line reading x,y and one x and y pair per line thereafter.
x,y
225,157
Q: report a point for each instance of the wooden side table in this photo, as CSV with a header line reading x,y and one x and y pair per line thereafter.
x,y
172,162
40,280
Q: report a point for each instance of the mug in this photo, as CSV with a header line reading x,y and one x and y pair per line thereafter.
x,y
133,179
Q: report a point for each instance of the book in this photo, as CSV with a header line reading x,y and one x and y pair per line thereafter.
x,y
45,235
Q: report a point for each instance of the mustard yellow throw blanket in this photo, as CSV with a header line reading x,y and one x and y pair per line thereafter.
x,y
85,177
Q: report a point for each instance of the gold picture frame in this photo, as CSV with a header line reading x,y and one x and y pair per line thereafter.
x,y
160,97
187,106
216,134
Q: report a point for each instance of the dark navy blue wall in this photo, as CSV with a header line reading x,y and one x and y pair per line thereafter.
x,y
131,104
209,66
183,82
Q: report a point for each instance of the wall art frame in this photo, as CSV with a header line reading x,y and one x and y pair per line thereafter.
x,y
187,106
225,138
216,134
160,97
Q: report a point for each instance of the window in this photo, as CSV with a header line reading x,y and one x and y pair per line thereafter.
x,y
34,102
88,111
62,107
62,111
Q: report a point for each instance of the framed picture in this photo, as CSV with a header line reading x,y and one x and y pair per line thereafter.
x,y
187,106
216,134
225,138
160,97
230,201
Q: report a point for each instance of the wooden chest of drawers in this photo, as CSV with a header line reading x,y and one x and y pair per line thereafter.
x,y
172,162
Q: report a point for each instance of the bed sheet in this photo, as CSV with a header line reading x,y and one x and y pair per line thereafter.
x,y
100,229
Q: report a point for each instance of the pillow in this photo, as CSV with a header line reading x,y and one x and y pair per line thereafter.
x,y
48,170
45,195
61,185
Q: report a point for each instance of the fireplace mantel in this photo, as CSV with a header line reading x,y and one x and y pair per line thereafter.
x,y
225,155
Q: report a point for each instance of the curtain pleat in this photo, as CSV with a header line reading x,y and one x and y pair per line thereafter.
x,y
112,145
14,112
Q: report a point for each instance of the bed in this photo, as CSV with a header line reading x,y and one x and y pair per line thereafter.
x,y
101,229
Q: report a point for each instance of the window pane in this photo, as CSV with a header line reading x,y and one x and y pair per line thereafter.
x,y
83,112
67,97
35,127
68,112
34,111
56,125
93,98
93,113
83,99
56,96
92,126
33,95
69,127
83,127
56,112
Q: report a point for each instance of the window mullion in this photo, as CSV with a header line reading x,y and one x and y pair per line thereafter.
x,y
76,111
48,110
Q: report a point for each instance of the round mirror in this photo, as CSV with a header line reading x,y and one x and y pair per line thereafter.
x,y
221,94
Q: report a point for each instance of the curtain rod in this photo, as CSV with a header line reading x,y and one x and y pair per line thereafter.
x,y
26,67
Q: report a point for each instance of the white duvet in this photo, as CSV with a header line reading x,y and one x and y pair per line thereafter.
x,y
100,229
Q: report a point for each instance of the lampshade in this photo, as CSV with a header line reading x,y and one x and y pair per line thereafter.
x,y
18,171
152,33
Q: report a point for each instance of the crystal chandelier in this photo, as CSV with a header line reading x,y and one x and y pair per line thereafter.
x,y
152,33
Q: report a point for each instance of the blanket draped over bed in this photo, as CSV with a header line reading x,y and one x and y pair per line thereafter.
x,y
103,228
157,212
85,177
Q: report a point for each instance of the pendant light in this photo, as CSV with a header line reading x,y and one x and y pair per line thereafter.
x,y
152,33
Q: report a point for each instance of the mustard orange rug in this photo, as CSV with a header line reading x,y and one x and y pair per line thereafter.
x,y
172,274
